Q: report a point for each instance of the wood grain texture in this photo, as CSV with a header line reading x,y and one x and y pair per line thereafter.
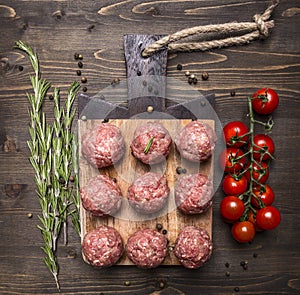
x,y
127,220
58,29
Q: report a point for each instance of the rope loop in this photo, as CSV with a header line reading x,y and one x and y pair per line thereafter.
x,y
257,29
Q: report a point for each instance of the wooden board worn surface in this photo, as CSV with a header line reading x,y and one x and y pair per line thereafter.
x,y
127,221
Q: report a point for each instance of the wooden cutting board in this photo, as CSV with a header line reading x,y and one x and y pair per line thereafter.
x,y
128,169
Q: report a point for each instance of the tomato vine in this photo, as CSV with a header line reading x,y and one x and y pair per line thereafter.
x,y
257,197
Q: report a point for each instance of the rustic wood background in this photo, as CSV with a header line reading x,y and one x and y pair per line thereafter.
x,y
58,29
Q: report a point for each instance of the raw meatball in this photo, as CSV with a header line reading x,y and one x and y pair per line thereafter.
x,y
193,247
159,148
101,196
147,248
196,141
103,145
149,193
102,246
193,193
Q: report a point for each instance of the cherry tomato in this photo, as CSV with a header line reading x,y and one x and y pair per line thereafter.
x,y
243,231
268,217
252,219
234,134
260,172
263,147
265,101
234,187
265,194
232,160
231,208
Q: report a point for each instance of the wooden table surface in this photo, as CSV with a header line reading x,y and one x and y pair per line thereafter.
x,y
58,29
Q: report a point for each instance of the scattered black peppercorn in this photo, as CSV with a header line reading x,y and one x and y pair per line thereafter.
x,y
178,170
242,263
51,97
139,73
71,178
78,72
84,89
91,27
115,81
227,264
80,56
232,93
83,79
190,80
80,64
127,283
205,76
105,120
179,67
236,289
150,88
245,267
21,68
158,226
114,179
195,80
76,55
227,274
161,284
164,231
255,255
144,83
29,215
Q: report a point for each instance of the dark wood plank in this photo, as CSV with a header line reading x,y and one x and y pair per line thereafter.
x,y
58,29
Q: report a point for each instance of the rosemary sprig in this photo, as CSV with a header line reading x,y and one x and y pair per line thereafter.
x,y
52,157
148,146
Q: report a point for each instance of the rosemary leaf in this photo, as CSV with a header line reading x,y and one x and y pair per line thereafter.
x,y
148,146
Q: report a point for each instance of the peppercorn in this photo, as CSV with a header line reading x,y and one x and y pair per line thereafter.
x,y
187,73
51,97
205,76
80,56
232,93
150,88
83,79
21,68
227,264
190,80
159,226
227,273
80,64
193,76
255,255
76,55
178,170
83,118
71,178
91,27
139,73
161,284
144,83
105,120
84,89
114,179
29,215
236,289
179,67
78,72
127,283
195,80
164,231
150,109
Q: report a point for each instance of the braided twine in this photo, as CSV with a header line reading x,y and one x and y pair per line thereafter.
x,y
259,28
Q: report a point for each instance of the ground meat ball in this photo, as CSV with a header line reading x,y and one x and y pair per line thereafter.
x,y
193,247
102,247
193,193
149,193
196,141
103,145
101,196
160,146
147,248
